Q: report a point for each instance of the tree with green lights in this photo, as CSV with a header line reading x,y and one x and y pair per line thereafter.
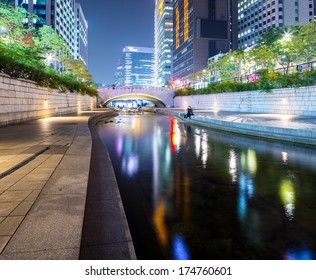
x,y
50,46
77,69
305,41
29,53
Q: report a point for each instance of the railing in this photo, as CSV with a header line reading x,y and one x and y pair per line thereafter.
x,y
308,66
124,88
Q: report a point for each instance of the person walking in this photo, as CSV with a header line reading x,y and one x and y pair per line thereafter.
x,y
190,112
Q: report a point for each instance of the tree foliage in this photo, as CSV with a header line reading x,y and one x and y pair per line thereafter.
x,y
48,43
77,69
29,53
281,47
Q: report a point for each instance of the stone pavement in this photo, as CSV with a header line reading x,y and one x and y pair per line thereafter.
x,y
44,171
292,128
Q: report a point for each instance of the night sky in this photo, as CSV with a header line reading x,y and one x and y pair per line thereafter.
x,y
114,24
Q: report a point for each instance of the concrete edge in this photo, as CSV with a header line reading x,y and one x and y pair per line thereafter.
x,y
93,251
255,130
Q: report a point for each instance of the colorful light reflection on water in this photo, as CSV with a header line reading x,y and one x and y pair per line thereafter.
x,y
204,194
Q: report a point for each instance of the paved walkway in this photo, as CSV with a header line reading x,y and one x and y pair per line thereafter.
x,y
296,129
44,171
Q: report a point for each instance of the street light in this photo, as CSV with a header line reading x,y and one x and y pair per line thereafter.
x,y
286,36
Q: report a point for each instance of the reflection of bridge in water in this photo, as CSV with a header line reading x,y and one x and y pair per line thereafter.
x,y
160,97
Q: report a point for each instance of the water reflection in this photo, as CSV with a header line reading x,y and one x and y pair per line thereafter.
x,y
287,194
212,195
175,135
284,157
159,222
130,165
233,165
180,250
299,254
246,190
201,146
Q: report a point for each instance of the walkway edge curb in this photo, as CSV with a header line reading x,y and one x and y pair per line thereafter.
x,y
292,135
106,233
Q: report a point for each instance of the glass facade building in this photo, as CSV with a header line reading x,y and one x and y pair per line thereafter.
x,y
138,66
82,35
62,16
202,29
118,76
256,16
163,41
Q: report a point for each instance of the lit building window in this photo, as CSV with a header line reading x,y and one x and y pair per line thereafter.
x,y
177,28
186,20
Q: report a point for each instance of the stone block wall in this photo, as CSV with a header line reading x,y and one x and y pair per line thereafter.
x,y
301,101
22,100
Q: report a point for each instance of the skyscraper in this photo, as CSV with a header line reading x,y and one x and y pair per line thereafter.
x,y
62,16
202,29
118,76
138,66
163,41
256,16
82,35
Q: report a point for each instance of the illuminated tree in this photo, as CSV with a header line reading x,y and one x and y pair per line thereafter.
x,y
13,28
78,69
50,46
263,57
305,41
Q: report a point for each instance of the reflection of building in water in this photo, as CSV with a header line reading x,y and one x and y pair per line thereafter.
x,y
248,165
125,147
246,186
299,254
169,184
130,165
159,222
180,250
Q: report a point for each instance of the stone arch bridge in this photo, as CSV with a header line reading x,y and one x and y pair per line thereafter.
x,y
161,97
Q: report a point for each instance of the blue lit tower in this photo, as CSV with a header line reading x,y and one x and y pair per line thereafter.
x,y
138,66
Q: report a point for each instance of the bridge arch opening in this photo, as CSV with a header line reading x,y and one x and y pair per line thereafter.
x,y
134,100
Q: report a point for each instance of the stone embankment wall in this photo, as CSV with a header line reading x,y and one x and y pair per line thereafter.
x,y
301,101
22,100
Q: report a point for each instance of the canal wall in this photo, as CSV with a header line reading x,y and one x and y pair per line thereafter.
x,y
289,101
22,100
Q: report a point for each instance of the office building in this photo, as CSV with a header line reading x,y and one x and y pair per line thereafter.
x,y
256,16
138,66
81,50
62,15
163,41
202,29
118,76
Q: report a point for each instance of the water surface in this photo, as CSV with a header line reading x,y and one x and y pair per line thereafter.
x,y
194,193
